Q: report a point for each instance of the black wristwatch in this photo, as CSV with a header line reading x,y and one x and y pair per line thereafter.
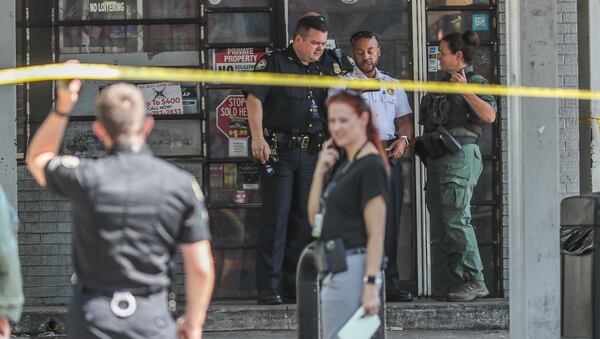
x,y
371,279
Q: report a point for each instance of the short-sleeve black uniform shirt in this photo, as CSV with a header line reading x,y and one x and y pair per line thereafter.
x,y
130,210
287,109
349,192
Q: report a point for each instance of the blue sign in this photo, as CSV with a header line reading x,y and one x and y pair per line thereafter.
x,y
481,22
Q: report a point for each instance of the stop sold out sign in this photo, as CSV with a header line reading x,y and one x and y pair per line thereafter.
x,y
232,117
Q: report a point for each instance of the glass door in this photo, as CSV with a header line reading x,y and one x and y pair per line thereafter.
x,y
448,16
391,21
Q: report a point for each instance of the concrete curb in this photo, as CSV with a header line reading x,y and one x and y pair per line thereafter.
x,y
425,314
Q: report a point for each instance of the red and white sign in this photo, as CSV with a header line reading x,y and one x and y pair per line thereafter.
x,y
232,120
162,98
237,59
240,197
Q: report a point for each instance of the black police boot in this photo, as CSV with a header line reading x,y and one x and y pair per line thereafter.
x,y
269,296
393,291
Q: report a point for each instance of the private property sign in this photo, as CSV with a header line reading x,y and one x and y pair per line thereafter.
x,y
232,120
237,59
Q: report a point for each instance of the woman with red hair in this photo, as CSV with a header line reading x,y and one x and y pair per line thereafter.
x,y
350,209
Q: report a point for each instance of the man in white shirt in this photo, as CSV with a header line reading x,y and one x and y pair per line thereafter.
x,y
393,117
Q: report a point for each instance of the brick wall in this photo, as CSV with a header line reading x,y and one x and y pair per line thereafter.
x,y
45,245
568,110
568,71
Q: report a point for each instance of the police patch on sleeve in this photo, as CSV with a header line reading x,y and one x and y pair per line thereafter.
x,y
69,161
197,190
261,64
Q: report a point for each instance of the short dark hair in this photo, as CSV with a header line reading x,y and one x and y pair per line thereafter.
x,y
466,43
121,110
362,34
308,22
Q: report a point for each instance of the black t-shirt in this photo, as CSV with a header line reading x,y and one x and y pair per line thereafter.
x,y
130,210
351,187
288,109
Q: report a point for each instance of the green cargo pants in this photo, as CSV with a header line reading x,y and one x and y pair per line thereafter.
x,y
449,188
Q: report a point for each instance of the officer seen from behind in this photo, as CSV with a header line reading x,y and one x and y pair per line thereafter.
x,y
452,125
127,222
288,125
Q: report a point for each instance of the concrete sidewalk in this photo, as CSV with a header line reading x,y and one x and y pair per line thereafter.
x,y
390,335
292,335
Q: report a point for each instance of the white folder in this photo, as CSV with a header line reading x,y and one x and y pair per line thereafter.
x,y
360,325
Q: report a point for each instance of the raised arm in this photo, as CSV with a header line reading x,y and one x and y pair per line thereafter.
x,y
327,159
45,144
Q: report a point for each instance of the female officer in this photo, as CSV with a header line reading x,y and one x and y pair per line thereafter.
x,y
352,207
453,174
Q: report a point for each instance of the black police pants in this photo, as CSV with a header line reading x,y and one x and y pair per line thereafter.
x,y
90,317
284,230
392,225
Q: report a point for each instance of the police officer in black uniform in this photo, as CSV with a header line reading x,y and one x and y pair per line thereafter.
x,y
288,125
127,222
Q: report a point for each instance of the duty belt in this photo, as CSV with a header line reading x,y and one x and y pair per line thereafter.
x,y
123,303
293,140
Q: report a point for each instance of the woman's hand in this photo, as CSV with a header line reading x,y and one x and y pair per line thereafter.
x,y
327,158
459,77
370,299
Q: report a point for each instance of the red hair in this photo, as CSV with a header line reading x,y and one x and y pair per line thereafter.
x,y
359,105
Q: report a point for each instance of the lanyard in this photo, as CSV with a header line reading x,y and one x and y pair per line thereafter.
x,y
337,176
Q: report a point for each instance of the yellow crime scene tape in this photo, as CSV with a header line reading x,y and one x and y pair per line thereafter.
x,y
131,73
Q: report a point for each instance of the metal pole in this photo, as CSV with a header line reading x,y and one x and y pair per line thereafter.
x,y
533,196
8,98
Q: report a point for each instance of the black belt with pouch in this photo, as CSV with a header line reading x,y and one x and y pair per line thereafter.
x,y
331,256
440,142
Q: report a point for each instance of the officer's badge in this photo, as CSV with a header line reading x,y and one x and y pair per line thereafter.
x,y
260,65
390,91
336,68
197,190
69,161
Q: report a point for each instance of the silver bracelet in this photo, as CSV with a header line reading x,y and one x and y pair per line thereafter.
x,y
405,139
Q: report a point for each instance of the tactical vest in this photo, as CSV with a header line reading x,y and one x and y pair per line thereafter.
x,y
450,111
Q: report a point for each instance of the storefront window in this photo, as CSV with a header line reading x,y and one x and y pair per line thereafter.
x,y
388,19
169,138
440,3
238,3
440,23
239,28
233,184
234,238
125,9
128,39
